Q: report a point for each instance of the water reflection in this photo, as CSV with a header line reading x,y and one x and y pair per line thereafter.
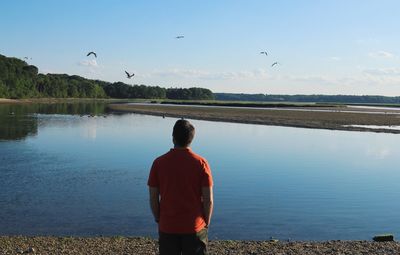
x,y
19,121
15,124
81,108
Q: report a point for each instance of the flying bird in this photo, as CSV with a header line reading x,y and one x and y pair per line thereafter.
x,y
92,53
129,75
264,52
274,64
180,37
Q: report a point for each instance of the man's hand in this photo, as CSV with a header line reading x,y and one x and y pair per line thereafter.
x,y
155,202
208,203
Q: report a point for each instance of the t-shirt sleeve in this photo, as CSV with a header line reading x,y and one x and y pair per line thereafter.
x,y
153,176
206,180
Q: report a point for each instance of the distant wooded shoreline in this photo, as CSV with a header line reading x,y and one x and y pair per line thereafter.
x,y
19,80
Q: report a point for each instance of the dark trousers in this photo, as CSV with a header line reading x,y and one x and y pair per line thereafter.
x,y
183,244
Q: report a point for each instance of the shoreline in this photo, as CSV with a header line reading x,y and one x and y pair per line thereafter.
x,y
144,246
334,120
336,117
63,100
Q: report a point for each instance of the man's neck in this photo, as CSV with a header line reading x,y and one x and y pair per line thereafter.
x,y
181,147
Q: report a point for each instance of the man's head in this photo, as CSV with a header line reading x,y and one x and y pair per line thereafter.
x,y
183,133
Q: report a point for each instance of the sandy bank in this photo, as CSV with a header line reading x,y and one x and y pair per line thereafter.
x,y
8,101
333,120
144,246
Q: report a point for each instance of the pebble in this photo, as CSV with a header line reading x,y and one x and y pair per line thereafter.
x,y
31,250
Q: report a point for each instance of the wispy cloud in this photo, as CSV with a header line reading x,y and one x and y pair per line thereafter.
x,y
394,71
367,41
335,58
313,79
381,54
90,63
207,75
365,77
91,69
377,81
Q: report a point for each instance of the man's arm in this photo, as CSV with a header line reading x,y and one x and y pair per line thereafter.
x,y
208,203
155,202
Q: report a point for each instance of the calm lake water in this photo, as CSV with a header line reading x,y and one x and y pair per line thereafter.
x,y
65,173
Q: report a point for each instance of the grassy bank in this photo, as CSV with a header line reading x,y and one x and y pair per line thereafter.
x,y
147,246
333,119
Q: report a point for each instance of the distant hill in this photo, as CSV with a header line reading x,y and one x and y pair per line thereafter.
x,y
347,99
20,80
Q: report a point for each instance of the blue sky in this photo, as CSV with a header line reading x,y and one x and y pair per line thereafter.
x,y
323,47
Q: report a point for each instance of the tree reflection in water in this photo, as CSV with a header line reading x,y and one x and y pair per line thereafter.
x,y
19,121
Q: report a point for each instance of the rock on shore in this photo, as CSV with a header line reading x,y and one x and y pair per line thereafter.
x,y
144,246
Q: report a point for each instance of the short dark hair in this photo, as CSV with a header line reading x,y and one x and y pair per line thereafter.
x,y
183,133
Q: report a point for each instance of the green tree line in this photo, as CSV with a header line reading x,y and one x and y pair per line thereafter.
x,y
20,80
308,98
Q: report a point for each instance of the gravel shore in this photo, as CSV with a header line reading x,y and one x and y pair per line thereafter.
x,y
144,246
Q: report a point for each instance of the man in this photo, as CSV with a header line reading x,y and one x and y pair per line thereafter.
x,y
181,196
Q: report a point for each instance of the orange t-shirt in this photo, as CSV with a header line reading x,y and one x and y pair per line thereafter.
x,y
180,174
